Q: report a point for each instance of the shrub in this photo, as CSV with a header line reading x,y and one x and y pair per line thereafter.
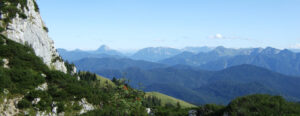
x,y
24,104
262,105
1,29
61,107
46,29
36,7
22,15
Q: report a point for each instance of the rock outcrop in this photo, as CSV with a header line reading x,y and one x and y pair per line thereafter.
x,y
33,32
85,106
5,63
8,106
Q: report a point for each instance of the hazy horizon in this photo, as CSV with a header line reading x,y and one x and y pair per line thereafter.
x,y
131,51
132,24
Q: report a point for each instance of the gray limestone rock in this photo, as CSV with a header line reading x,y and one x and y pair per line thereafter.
x,y
31,31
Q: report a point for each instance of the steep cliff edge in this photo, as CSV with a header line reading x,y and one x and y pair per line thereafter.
x,y
27,27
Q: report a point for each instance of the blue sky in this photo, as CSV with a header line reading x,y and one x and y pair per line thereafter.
x,y
134,24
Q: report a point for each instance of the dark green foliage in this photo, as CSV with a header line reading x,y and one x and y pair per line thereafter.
x,y
262,105
46,99
57,58
87,76
9,7
23,80
61,107
25,74
21,56
70,67
1,62
25,68
114,80
22,15
111,111
211,110
253,105
170,111
169,105
151,101
36,7
178,106
1,29
24,104
46,29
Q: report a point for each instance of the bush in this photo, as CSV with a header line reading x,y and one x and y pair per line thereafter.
x,y
22,15
262,105
24,76
1,29
24,104
36,7
61,107
46,29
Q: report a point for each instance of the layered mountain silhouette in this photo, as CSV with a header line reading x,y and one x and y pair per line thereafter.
x,y
282,61
155,54
152,54
215,76
200,87
102,52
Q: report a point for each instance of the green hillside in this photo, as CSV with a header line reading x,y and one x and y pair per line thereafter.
x,y
165,99
97,79
253,105
105,81
26,71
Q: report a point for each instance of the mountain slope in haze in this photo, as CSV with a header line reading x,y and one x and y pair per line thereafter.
x,y
106,50
101,52
155,54
295,50
210,86
94,64
192,59
284,61
197,49
167,75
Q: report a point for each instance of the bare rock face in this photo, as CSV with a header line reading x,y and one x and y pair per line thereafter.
x,y
8,107
85,106
6,62
32,31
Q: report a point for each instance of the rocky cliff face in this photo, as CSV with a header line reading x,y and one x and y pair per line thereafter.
x,y
32,31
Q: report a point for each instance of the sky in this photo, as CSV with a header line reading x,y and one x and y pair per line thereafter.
x,y
135,24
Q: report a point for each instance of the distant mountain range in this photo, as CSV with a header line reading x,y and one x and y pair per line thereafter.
x,y
155,54
282,61
295,50
152,54
94,64
101,52
213,76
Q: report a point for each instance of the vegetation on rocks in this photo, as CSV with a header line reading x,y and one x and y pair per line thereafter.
x,y
10,10
26,74
253,105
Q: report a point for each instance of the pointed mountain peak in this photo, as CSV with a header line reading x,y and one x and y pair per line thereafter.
x,y
270,50
220,48
103,48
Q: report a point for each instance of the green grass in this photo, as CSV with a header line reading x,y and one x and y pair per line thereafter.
x,y
165,99
104,81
